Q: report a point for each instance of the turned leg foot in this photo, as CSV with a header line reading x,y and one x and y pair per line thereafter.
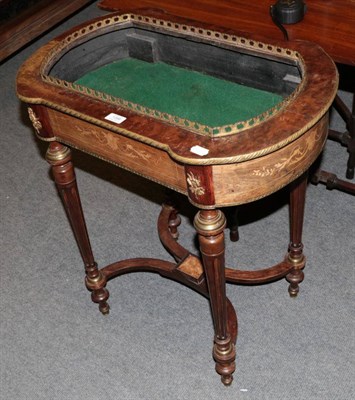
x,y
174,223
295,277
174,217
59,157
234,225
295,253
210,226
96,282
224,354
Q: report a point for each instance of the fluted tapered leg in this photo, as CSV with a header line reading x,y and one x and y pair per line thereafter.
x,y
59,157
210,226
295,255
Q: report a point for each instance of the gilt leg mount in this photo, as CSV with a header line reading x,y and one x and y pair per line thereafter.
x,y
96,282
59,157
296,275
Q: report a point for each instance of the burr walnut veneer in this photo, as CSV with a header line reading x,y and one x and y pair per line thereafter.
x,y
244,156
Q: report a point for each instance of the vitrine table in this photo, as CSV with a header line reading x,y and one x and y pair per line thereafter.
x,y
220,118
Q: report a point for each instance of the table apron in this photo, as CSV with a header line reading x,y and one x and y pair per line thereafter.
x,y
227,184
259,177
141,158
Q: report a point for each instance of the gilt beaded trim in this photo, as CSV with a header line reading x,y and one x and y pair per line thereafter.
x,y
109,23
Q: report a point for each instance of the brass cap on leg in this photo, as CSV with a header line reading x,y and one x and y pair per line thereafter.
x,y
210,222
57,152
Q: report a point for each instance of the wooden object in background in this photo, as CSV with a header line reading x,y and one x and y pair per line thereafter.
x,y
327,23
34,20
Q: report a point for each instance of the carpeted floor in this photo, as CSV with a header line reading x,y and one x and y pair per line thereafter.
x,y
156,343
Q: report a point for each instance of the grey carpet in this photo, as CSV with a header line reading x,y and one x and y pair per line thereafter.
x,y
156,343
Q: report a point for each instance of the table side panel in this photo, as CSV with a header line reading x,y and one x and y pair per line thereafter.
x,y
244,182
140,158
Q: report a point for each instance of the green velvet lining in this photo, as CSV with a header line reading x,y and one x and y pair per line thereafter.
x,y
180,92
